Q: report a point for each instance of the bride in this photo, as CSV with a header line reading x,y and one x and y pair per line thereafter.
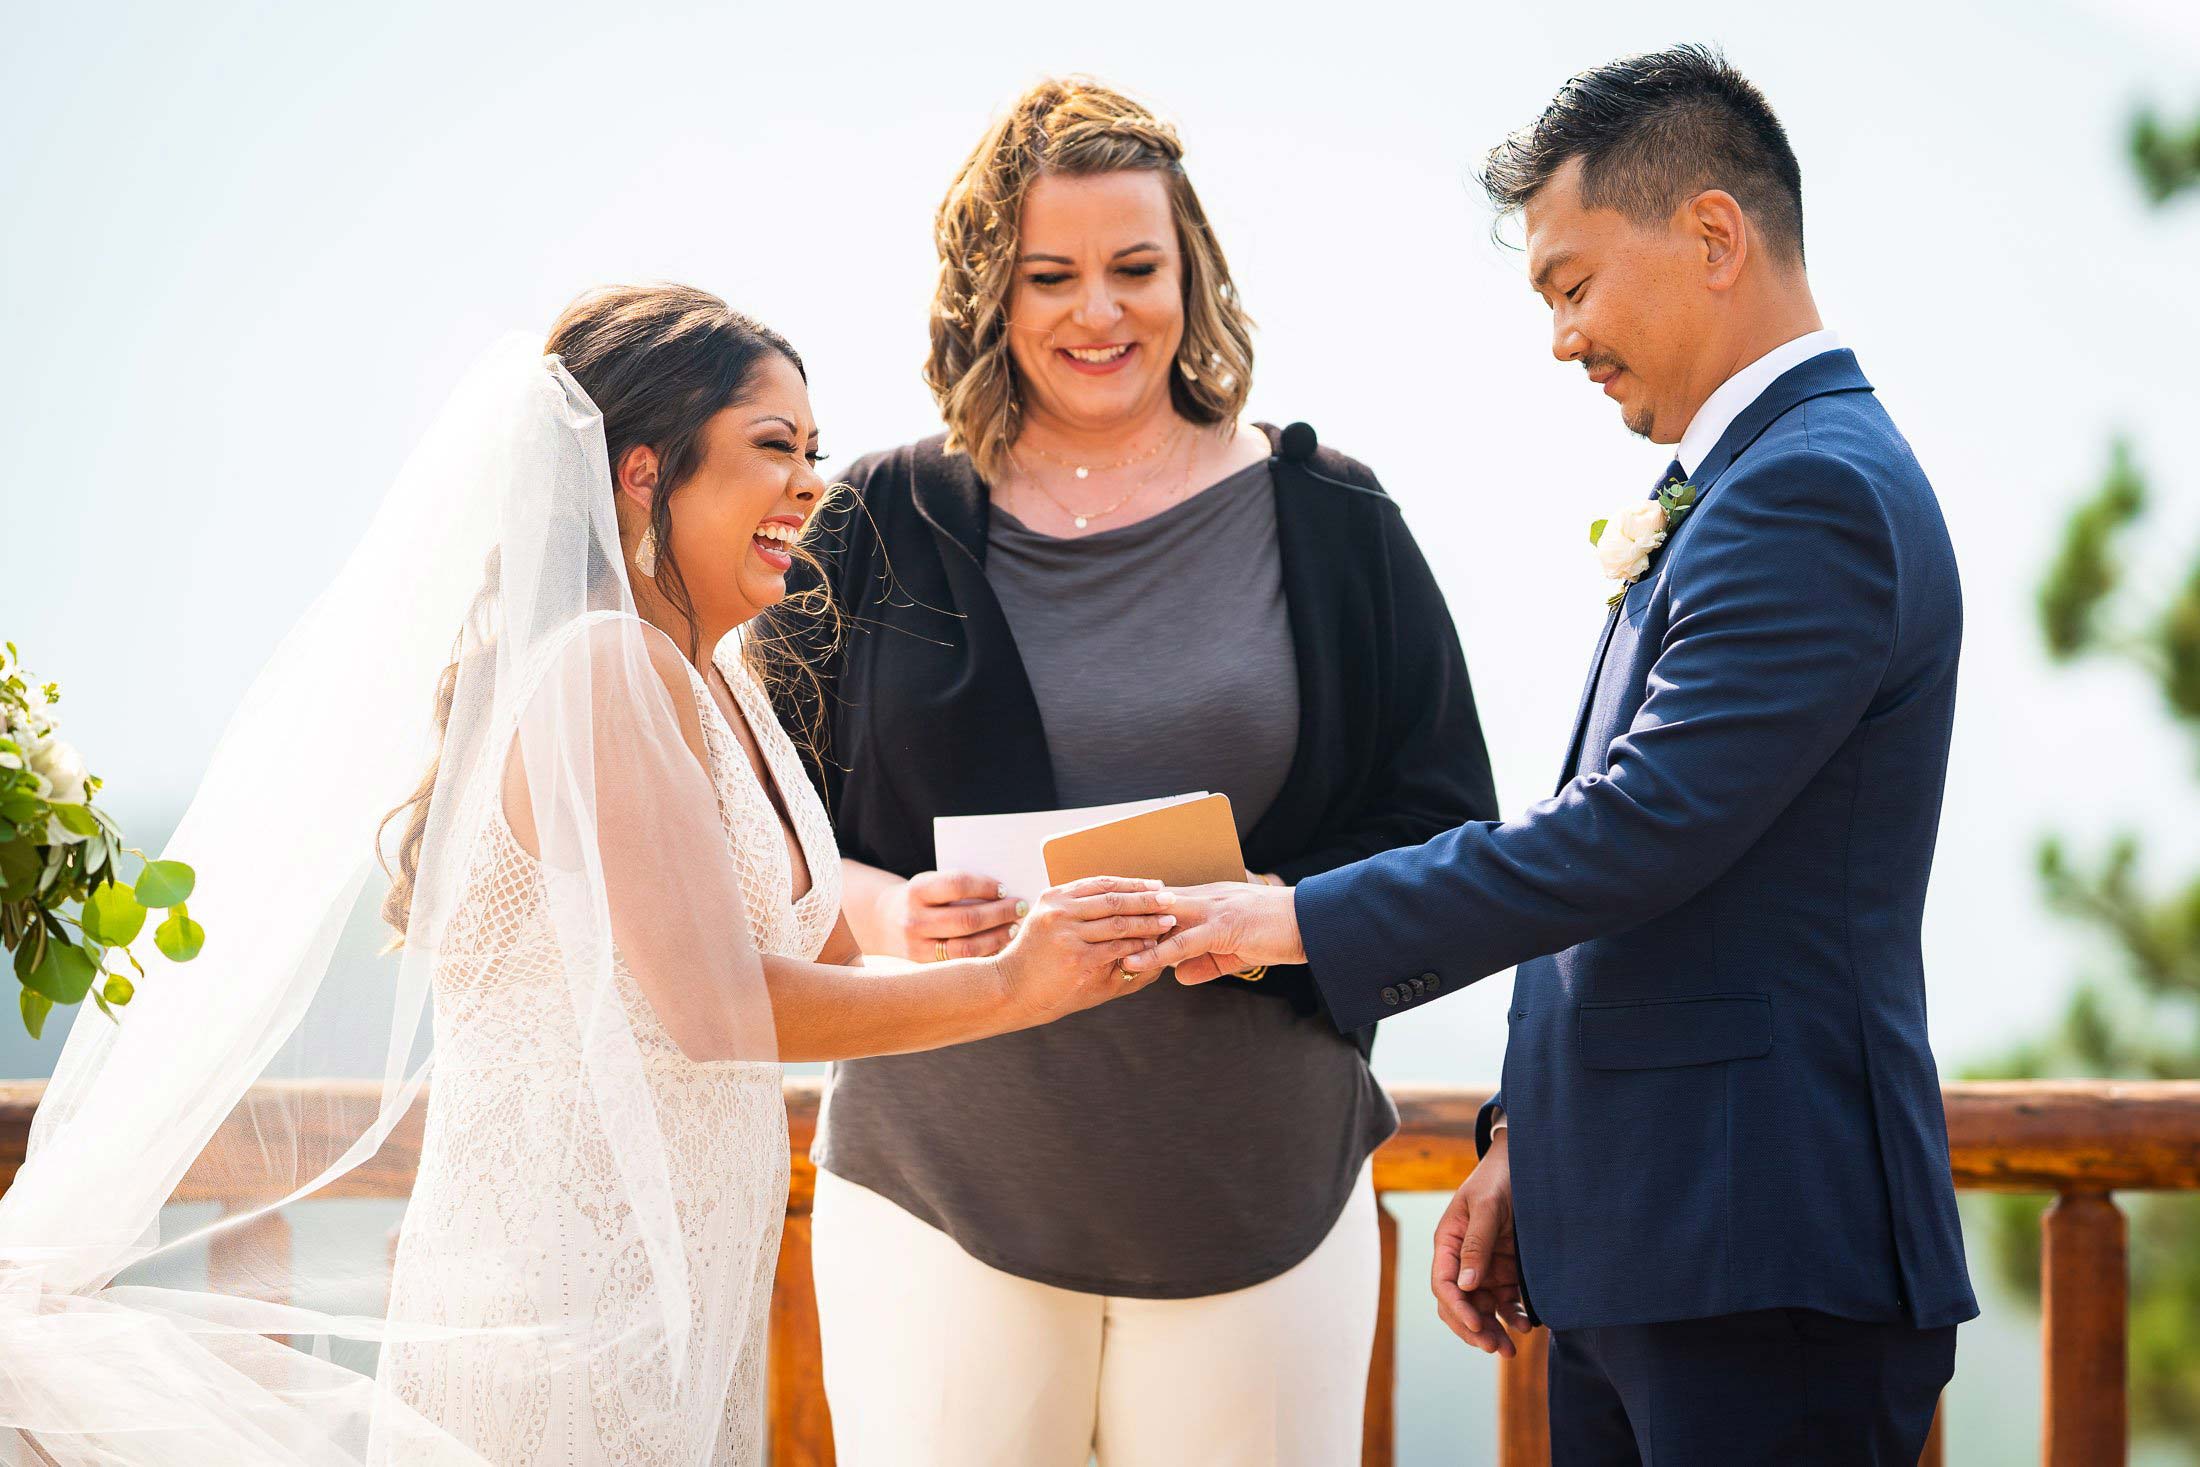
x,y
618,904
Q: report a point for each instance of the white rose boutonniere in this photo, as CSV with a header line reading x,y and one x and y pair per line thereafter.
x,y
1628,541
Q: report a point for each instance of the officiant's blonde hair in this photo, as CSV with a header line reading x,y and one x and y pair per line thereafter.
x,y
1073,127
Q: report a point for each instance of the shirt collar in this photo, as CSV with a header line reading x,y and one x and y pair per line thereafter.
x,y
1737,392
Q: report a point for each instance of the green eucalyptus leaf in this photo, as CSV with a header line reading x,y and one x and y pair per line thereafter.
x,y
63,972
179,938
33,947
19,868
23,808
118,990
113,915
76,820
1596,531
35,1008
165,884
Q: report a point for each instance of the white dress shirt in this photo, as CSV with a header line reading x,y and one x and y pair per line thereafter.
x,y
1717,414
1737,392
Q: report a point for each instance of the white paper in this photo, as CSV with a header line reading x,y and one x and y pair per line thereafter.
x,y
1012,848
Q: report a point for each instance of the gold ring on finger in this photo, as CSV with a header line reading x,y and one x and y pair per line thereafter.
x,y
1125,974
939,951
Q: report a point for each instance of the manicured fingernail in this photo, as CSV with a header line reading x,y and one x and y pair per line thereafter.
x,y
1013,929
1167,923
1466,1278
1135,960
1154,885
1166,899
1000,889
1023,909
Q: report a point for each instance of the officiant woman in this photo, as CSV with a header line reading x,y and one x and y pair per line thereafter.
x,y
1147,1231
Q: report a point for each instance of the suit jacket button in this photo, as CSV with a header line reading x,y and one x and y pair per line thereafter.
x,y
1420,985
1432,981
1390,996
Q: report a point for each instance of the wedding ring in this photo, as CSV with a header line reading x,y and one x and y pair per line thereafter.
x,y
939,951
1125,974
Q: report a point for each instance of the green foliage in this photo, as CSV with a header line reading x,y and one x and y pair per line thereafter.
x,y
2166,157
2141,1019
65,911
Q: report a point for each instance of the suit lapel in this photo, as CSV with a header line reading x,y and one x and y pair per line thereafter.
x,y
1833,371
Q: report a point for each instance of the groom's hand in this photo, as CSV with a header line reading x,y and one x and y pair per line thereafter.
x,y
1226,927
1476,1273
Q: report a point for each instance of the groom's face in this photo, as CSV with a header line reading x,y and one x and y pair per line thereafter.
x,y
1625,302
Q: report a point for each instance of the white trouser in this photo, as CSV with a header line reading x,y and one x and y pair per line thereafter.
x,y
933,1359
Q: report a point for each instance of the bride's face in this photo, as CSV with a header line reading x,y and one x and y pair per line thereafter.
x,y
750,495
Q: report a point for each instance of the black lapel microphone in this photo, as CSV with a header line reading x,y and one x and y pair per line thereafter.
x,y
1296,447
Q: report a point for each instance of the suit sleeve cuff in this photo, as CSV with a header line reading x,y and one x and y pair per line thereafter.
x,y
1488,1123
1334,955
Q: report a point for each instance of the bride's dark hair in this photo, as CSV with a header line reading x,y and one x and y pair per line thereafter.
x,y
658,361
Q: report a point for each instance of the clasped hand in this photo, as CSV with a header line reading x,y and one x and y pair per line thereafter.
x,y
1225,927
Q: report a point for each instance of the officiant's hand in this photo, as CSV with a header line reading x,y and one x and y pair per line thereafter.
x,y
1226,927
1476,1273
1070,953
935,916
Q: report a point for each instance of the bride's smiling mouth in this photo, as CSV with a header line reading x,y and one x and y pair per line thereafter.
x,y
774,541
1097,361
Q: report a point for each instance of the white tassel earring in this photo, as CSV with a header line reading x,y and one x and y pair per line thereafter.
x,y
645,553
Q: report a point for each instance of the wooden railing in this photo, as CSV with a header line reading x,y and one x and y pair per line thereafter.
x,y
2081,1140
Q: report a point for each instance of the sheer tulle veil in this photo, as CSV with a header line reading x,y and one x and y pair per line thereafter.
x,y
118,1343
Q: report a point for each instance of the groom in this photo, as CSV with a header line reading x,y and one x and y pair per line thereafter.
x,y
1731,1202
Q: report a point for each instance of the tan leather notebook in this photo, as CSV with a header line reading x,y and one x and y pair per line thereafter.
x,y
1184,845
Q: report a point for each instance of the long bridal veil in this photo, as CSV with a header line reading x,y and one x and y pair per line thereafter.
x,y
193,1268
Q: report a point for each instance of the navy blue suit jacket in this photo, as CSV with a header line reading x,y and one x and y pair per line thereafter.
x,y
1717,1083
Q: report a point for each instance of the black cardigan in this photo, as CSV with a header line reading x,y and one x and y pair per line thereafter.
x,y
925,708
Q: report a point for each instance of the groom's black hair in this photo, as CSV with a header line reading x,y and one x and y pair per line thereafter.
x,y
1653,131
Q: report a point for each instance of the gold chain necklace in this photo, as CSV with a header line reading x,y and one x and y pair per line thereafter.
x,y
1087,470
1084,519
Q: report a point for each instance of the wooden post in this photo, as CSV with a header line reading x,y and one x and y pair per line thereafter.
x,y
799,1432
2085,1285
1524,1403
1379,1429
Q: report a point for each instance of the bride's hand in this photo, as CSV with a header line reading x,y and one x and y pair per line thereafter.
x,y
1068,954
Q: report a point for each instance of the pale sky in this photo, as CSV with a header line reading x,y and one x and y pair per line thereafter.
x,y
245,249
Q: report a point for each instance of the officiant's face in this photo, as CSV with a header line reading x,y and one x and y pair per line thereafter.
x,y
1626,302
754,487
1097,309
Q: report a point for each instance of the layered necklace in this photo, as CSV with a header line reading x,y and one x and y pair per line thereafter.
x,y
1083,519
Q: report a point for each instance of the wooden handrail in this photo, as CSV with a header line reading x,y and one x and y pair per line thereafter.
x,y
2080,1139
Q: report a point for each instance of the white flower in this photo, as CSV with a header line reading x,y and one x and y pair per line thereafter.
x,y
1630,538
63,769
33,726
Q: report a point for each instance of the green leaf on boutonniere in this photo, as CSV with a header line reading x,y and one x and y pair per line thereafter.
x,y
76,820
1596,531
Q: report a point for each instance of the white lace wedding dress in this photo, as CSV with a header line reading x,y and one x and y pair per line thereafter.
x,y
509,1226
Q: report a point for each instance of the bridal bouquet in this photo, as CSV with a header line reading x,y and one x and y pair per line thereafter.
x,y
65,915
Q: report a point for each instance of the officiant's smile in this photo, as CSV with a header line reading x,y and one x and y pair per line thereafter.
x,y
1097,306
